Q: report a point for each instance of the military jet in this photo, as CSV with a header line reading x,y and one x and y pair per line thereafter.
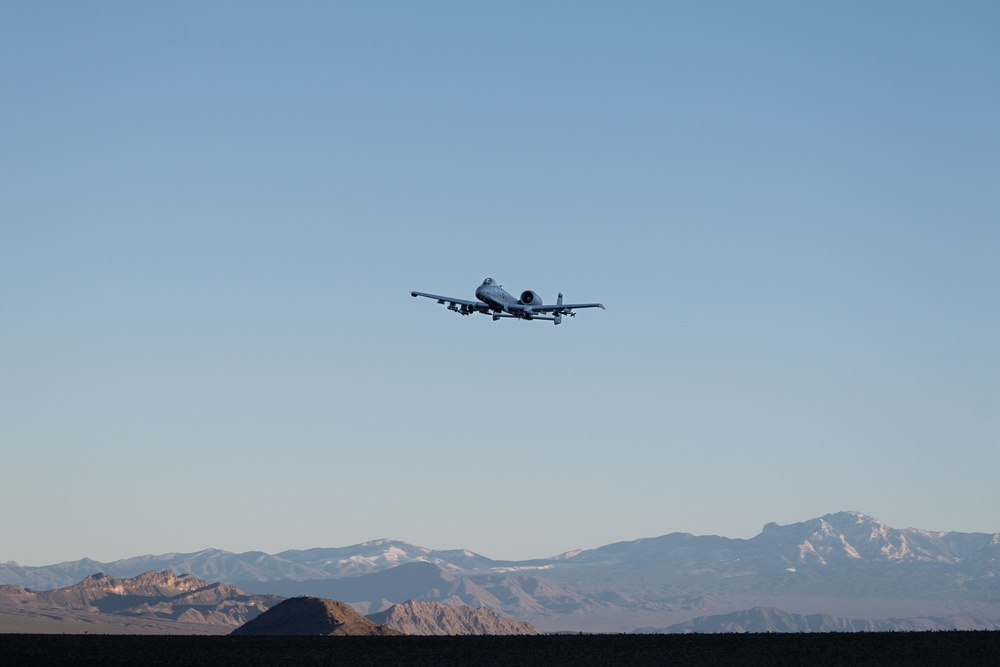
x,y
494,300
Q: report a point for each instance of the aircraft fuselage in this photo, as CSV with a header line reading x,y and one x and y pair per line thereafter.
x,y
497,298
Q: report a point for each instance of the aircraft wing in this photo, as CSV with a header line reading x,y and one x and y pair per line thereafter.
x,y
565,306
463,306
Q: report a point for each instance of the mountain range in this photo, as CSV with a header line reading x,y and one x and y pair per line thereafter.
x,y
308,615
168,603
846,565
151,603
769,619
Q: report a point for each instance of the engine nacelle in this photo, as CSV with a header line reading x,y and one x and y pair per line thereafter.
x,y
529,298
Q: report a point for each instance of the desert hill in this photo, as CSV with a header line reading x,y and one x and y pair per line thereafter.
x,y
433,618
308,615
153,602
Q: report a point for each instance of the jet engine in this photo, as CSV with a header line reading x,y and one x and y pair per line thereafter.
x,y
529,298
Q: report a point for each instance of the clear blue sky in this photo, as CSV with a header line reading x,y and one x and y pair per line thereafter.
x,y
213,213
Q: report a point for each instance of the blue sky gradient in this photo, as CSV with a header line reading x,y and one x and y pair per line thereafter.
x,y
213,213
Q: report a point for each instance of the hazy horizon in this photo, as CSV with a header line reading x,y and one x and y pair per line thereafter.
x,y
213,215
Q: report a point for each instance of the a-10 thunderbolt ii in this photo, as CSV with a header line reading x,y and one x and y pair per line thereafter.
x,y
494,300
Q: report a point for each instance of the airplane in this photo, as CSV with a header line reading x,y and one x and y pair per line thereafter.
x,y
495,300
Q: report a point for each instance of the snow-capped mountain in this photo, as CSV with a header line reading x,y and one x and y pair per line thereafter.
x,y
851,536
383,554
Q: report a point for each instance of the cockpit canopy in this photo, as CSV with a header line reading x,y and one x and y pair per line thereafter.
x,y
488,281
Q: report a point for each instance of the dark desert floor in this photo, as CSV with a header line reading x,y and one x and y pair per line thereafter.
x,y
924,648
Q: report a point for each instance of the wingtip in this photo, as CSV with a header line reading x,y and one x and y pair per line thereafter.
x,y
413,293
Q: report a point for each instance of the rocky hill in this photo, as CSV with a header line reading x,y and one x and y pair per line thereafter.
x,y
153,602
307,615
433,618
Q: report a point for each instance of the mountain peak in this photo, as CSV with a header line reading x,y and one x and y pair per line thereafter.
x,y
850,517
